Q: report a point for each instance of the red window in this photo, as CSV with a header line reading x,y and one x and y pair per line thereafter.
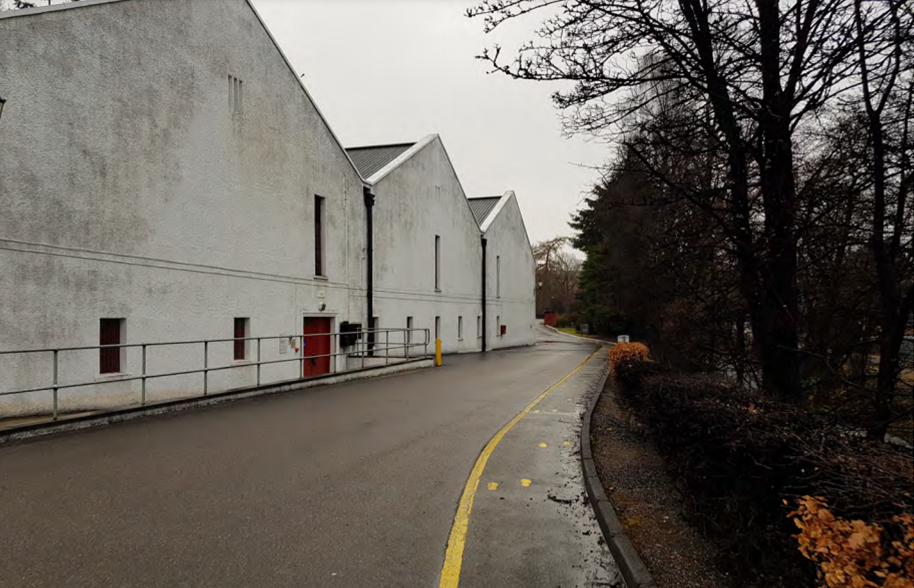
x,y
241,331
109,357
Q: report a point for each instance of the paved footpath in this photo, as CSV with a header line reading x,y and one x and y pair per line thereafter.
x,y
349,485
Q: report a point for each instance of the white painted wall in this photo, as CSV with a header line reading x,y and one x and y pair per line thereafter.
x,y
419,199
515,304
130,189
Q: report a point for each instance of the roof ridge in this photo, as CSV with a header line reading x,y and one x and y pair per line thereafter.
x,y
381,145
371,159
482,207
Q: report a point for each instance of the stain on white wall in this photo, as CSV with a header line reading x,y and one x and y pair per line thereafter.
x,y
160,162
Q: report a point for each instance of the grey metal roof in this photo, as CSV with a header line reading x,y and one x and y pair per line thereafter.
x,y
481,207
370,160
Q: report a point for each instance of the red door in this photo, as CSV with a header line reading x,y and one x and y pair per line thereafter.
x,y
317,342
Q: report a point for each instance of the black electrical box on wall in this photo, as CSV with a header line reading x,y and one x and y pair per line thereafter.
x,y
350,333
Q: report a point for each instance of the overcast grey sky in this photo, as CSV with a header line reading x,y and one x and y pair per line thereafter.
x,y
385,71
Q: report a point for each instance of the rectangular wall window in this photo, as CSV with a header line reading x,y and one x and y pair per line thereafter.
x,y
498,326
478,326
437,262
437,327
318,236
498,276
242,330
409,334
236,95
460,328
111,332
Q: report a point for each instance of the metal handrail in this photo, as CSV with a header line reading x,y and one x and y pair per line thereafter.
x,y
198,341
362,349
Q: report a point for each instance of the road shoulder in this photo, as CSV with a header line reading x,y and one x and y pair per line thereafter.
x,y
649,535
531,522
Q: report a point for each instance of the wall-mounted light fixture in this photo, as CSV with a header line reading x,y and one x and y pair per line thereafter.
x,y
2,102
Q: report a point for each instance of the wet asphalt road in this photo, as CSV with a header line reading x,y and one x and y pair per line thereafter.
x,y
348,485
532,524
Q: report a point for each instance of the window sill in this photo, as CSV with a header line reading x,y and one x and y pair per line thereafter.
x,y
243,362
438,290
322,278
112,377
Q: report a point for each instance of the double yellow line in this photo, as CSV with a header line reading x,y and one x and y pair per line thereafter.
x,y
453,557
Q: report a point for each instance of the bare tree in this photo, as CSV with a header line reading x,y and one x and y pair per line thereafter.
x,y
557,273
760,71
19,4
884,42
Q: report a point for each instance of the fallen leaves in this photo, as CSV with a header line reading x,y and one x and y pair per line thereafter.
x,y
854,554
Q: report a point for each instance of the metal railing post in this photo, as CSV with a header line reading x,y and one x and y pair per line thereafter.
x,y
362,345
56,371
205,368
143,393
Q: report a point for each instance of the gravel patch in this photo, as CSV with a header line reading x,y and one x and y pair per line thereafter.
x,y
646,501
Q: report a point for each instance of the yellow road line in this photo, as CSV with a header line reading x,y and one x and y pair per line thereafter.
x,y
453,557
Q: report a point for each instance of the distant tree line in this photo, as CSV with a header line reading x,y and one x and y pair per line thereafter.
x,y
758,217
557,275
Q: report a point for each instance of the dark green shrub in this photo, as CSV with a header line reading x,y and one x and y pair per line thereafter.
x,y
737,458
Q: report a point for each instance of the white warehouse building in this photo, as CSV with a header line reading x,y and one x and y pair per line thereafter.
x,y
165,176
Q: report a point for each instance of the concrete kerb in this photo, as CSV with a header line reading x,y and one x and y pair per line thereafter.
x,y
634,572
97,419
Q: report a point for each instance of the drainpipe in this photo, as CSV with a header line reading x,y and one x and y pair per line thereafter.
x,y
483,293
369,263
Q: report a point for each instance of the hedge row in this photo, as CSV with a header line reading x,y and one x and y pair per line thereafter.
x,y
742,463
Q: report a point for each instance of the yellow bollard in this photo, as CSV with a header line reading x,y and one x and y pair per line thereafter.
x,y
438,352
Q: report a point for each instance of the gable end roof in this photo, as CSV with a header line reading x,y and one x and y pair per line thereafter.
x,y
482,207
370,160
